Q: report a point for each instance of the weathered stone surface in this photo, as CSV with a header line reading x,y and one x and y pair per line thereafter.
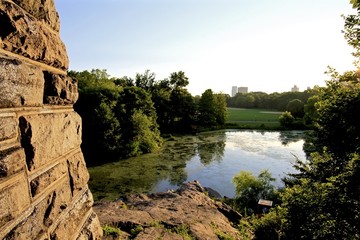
x,y
43,215
11,161
68,227
8,127
57,202
40,183
23,34
43,182
13,200
92,229
60,89
188,208
65,129
20,84
78,173
155,233
42,10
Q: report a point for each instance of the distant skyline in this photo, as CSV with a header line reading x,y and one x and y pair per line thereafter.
x,y
265,45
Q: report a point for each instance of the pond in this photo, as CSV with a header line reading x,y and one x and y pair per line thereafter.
x,y
212,158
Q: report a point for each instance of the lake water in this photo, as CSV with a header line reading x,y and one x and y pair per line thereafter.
x,y
212,158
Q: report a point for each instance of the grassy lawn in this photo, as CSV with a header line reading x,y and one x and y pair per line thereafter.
x,y
253,118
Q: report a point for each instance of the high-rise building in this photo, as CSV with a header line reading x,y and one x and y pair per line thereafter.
x,y
234,91
243,89
295,88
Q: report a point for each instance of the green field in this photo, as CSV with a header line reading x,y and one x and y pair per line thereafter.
x,y
253,118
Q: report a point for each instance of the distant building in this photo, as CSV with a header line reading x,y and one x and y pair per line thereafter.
x,y
234,91
295,88
243,89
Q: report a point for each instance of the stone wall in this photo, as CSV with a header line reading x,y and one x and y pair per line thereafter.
x,y
43,176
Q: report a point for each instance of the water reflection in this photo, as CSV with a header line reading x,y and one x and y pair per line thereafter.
x,y
212,147
213,158
287,137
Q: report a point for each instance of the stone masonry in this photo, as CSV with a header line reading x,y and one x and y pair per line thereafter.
x,y
43,176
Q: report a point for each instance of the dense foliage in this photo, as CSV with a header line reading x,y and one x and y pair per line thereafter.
x,y
250,189
322,201
118,120
273,101
286,119
296,108
337,119
123,117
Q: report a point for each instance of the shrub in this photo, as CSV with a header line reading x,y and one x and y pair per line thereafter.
x,y
286,119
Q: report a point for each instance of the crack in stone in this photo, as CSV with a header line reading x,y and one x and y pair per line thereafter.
x,y
26,135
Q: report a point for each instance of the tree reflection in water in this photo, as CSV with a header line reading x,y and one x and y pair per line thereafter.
x,y
287,137
212,157
211,147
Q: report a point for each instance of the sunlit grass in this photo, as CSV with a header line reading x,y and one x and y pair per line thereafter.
x,y
252,115
241,118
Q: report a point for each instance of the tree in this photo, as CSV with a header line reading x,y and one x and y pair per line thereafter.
x,y
249,189
160,96
179,80
183,110
119,119
296,108
174,105
207,109
323,207
136,112
286,119
146,80
220,108
337,122
310,110
323,199
146,137
352,28
273,101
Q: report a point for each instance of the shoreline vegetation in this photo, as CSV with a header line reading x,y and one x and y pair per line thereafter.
x,y
126,117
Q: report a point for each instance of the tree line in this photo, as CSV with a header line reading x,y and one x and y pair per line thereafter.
x,y
274,101
124,117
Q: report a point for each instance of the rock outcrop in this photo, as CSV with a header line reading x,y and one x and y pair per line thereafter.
x,y
186,212
43,176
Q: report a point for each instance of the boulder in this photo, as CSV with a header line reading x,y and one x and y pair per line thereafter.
x,y
170,215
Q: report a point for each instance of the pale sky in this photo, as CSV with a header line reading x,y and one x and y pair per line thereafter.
x,y
265,45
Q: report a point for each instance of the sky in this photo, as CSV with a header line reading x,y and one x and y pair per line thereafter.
x,y
265,45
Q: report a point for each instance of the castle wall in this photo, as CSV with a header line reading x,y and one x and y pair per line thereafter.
x,y
43,176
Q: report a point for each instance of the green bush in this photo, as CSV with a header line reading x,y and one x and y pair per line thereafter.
x,y
111,231
249,189
286,119
270,225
